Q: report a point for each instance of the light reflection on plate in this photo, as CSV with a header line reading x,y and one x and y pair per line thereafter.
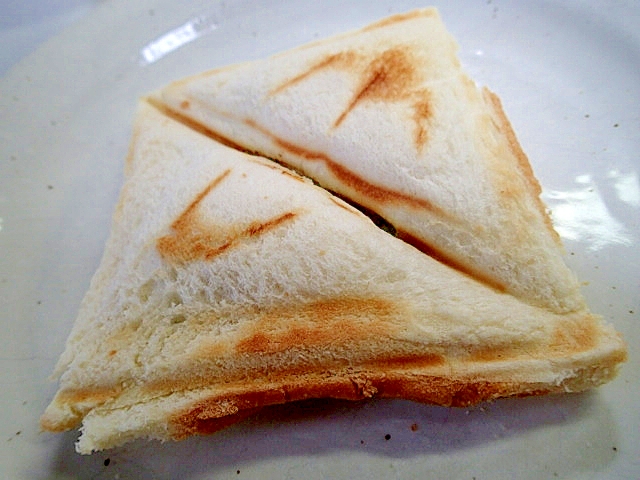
x,y
582,214
627,186
176,38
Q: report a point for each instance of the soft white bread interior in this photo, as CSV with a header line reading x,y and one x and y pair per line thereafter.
x,y
386,118
229,283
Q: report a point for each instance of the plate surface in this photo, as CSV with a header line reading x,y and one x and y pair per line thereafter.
x,y
568,74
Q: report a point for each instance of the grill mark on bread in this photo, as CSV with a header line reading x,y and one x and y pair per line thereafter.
x,y
377,80
576,334
183,220
191,419
344,205
400,17
422,360
193,124
349,178
321,323
571,335
504,126
448,391
390,76
499,353
192,239
337,60
451,262
273,165
292,175
196,242
368,189
258,228
129,159
422,112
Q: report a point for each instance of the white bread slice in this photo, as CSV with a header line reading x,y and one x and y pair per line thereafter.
x,y
386,118
229,283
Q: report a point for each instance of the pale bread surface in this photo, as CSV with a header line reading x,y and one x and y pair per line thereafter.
x,y
386,117
229,283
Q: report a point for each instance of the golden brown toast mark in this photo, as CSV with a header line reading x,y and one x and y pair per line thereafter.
x,y
131,152
245,401
422,111
197,242
367,189
258,228
240,401
200,420
408,361
380,195
492,354
392,381
60,426
295,176
90,395
79,401
573,335
400,17
194,125
185,219
504,126
451,392
505,353
191,239
274,165
339,60
344,206
390,76
328,322
451,262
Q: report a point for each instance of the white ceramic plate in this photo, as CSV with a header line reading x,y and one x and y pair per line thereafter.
x,y
569,77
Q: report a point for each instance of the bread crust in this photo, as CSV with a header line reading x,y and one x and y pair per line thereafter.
x,y
205,416
523,163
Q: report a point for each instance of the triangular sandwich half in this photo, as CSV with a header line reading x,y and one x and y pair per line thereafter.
x,y
229,283
386,118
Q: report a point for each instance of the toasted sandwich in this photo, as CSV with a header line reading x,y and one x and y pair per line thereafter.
x,y
386,118
229,283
